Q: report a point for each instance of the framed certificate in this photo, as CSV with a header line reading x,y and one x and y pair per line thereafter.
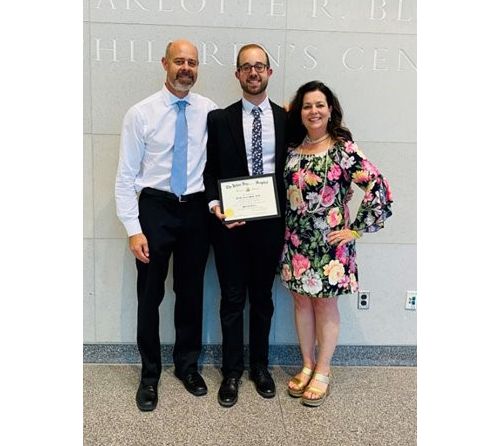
x,y
249,198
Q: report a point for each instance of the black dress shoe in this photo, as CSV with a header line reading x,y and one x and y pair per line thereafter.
x,y
194,383
146,397
263,382
228,392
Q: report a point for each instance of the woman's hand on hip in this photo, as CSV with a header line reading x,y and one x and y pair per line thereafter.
x,y
340,237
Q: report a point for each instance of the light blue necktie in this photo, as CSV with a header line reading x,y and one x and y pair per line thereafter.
x,y
178,180
257,164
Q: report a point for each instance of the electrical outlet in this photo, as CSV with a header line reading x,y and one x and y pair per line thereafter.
x,y
363,300
411,300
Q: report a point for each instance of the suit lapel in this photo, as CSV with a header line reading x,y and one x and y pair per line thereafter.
x,y
235,118
279,135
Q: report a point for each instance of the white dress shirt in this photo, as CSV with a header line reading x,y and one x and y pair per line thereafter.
x,y
146,150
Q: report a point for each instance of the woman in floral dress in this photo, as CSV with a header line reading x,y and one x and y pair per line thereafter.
x,y
319,256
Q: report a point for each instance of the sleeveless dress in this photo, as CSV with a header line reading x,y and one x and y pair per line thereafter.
x,y
317,186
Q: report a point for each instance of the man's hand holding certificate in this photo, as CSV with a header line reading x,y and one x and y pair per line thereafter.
x,y
249,198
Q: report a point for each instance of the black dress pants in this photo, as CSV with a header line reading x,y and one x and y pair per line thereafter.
x,y
180,229
246,258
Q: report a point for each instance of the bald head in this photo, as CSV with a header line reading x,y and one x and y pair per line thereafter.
x,y
181,64
178,45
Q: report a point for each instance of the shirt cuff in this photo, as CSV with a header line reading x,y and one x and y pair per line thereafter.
x,y
212,204
133,227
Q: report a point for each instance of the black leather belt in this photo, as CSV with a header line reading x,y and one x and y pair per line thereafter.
x,y
172,197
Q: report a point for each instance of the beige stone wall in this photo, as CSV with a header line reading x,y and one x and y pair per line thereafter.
x,y
365,50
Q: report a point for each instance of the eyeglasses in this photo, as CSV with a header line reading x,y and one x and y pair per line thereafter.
x,y
247,68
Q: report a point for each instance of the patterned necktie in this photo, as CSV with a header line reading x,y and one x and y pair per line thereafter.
x,y
178,180
257,165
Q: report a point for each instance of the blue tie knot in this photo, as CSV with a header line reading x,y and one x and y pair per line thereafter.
x,y
181,105
256,112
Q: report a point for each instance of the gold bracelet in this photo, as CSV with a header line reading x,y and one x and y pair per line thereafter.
x,y
355,234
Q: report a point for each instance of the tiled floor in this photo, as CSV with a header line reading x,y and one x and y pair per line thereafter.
x,y
367,406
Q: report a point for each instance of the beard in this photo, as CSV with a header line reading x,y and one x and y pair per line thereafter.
x,y
253,89
183,81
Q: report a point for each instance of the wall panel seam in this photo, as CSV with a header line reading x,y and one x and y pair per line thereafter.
x,y
329,31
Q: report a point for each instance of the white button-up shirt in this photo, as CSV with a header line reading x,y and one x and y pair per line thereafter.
x,y
146,150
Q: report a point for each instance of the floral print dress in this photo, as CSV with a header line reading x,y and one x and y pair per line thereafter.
x,y
317,193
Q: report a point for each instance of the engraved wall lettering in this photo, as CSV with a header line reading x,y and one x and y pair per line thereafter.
x,y
204,46
383,59
378,11
403,55
273,60
311,57
201,4
322,7
150,51
275,4
236,49
132,51
107,1
189,6
355,58
400,13
351,58
143,56
141,6
98,50
379,60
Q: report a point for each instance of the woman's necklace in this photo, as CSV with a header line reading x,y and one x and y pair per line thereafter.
x,y
324,177
309,141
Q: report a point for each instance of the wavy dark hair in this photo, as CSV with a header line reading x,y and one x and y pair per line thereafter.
x,y
296,130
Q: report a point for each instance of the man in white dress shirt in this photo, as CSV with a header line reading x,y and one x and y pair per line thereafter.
x,y
162,158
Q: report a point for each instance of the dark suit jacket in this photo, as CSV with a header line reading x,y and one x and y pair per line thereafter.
x,y
226,153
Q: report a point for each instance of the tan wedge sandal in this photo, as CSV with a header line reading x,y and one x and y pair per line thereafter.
x,y
319,395
301,385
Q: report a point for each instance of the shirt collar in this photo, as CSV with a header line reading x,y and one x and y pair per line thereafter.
x,y
171,99
248,106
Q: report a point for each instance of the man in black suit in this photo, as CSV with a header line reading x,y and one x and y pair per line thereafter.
x,y
246,138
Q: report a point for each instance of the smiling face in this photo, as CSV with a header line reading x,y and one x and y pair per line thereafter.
x,y
315,113
181,65
253,84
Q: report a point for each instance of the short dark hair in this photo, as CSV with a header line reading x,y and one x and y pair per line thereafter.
x,y
297,131
249,46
